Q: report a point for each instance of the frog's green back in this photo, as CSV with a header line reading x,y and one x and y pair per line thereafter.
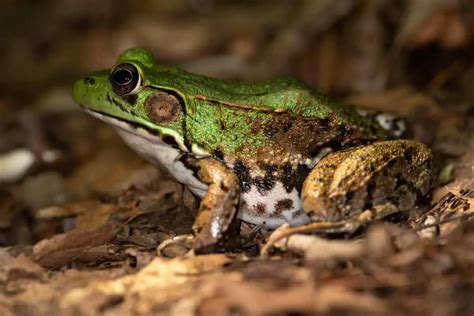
x,y
284,94
277,95
278,118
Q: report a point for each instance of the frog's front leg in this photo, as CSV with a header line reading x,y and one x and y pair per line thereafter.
x,y
362,184
219,205
217,209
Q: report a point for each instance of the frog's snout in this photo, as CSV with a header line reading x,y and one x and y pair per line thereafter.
x,y
91,87
79,90
84,89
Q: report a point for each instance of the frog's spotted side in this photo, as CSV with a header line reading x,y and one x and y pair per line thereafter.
x,y
269,153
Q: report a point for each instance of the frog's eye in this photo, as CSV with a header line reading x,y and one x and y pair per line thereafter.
x,y
125,79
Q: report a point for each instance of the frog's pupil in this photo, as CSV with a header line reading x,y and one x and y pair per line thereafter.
x,y
122,76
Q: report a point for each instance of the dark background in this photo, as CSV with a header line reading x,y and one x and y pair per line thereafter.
x,y
411,58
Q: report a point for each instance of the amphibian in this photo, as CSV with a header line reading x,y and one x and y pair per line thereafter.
x,y
268,153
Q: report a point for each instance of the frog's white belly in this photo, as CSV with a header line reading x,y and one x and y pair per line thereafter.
x,y
160,153
274,208
270,209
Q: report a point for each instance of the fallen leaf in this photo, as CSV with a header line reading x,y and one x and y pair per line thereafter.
x,y
63,249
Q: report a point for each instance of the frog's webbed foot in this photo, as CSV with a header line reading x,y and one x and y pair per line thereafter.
x,y
368,182
184,243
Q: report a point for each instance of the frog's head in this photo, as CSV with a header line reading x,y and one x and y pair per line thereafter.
x,y
128,97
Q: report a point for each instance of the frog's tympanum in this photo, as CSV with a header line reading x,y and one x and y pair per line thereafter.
x,y
267,153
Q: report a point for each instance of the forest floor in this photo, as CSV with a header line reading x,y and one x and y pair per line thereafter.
x,y
81,216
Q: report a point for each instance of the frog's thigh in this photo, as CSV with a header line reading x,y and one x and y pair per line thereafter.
x,y
219,205
368,179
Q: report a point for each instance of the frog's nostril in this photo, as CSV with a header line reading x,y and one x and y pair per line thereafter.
x,y
89,81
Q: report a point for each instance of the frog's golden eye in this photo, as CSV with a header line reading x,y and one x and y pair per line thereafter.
x,y
125,79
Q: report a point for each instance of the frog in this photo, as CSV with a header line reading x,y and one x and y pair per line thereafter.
x,y
266,153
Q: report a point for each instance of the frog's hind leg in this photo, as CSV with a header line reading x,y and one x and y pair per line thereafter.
x,y
343,226
359,185
350,225
356,186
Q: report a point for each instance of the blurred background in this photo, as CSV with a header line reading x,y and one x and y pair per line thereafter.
x,y
413,58
78,207
336,46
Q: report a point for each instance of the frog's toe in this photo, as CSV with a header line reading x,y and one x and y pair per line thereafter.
x,y
348,183
176,247
348,226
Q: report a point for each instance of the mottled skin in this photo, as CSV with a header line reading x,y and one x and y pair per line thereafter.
x,y
219,205
349,181
254,141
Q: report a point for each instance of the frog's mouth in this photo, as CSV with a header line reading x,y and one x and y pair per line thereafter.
x,y
137,130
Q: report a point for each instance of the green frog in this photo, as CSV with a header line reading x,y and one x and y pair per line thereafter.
x,y
268,153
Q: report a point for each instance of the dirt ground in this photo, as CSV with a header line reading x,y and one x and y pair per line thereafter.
x,y
81,215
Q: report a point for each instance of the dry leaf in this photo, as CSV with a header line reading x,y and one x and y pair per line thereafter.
x,y
63,249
